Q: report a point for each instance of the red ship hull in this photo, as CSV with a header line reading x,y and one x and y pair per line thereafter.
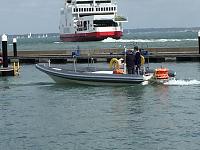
x,y
94,36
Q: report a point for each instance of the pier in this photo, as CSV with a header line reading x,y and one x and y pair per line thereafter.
x,y
104,55
5,69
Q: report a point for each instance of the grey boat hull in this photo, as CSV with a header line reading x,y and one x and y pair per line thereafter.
x,y
65,76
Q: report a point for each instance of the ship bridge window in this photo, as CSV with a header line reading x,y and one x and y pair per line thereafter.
x,y
69,1
104,23
105,1
84,2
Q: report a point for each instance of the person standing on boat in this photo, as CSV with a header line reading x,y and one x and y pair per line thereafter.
x,y
137,59
130,62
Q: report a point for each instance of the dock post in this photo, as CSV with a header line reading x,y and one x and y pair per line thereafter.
x,y
4,50
15,47
199,40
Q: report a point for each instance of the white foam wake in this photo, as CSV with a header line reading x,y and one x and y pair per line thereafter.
x,y
182,82
111,40
57,42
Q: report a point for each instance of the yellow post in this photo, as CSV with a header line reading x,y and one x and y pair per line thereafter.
x,y
16,67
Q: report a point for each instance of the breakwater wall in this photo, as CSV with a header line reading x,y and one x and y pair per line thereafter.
x,y
104,55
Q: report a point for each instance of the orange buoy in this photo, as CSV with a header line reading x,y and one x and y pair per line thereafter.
x,y
161,73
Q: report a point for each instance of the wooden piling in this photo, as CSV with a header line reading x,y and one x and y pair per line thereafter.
x,y
15,47
5,50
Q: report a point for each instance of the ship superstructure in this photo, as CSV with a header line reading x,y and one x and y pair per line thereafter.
x,y
90,20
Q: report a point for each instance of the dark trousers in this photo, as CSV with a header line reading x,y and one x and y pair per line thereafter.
x,y
131,70
138,69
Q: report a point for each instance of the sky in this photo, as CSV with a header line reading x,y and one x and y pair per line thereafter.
x,y
42,16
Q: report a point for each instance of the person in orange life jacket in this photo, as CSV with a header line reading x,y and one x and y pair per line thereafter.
x,y
137,59
130,62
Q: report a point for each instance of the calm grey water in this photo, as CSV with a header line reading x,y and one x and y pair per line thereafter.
x,y
38,114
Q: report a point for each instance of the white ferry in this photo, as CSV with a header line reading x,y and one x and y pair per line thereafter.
x,y
90,20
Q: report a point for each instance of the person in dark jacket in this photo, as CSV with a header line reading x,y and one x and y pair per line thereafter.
x,y
137,59
130,62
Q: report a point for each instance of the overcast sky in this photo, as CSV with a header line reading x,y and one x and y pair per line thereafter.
x,y
42,16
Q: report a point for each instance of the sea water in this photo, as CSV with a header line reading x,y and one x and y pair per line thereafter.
x,y
144,38
37,114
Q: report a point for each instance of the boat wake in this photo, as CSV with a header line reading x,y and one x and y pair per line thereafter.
x,y
58,42
145,83
182,82
111,40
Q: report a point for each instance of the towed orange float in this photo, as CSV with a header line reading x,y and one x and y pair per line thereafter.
x,y
161,73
